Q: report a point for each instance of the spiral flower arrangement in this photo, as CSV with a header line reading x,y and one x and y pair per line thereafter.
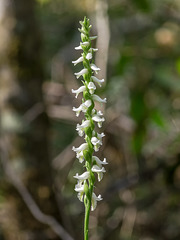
x,y
92,117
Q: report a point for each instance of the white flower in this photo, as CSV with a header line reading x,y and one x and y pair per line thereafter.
x,y
99,163
89,56
95,68
96,142
79,187
78,48
93,37
94,201
93,49
81,128
78,61
95,79
84,43
99,113
82,72
79,90
79,151
83,176
98,99
83,107
99,171
98,119
77,110
91,87
86,105
80,156
100,136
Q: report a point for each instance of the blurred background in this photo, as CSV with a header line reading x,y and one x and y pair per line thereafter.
x,y
139,57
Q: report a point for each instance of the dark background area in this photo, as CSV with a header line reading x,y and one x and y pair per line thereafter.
x,y
139,57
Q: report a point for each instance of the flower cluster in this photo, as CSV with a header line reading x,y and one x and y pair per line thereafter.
x,y
93,139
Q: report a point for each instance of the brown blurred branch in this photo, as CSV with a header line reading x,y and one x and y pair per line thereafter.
x,y
27,198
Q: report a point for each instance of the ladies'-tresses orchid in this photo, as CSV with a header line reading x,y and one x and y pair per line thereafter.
x,y
81,73
95,79
81,128
83,107
93,139
79,90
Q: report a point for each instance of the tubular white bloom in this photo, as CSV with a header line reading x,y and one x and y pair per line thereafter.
x,y
95,79
80,128
93,37
95,68
99,113
93,49
98,99
79,90
91,87
79,151
82,147
86,105
94,201
98,119
89,56
99,163
79,187
82,72
80,156
78,48
97,143
99,171
80,196
77,110
83,107
84,43
78,61
83,176
100,136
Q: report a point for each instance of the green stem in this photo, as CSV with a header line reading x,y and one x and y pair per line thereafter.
x,y
86,220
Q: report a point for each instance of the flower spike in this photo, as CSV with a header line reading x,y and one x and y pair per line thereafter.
x,y
92,120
